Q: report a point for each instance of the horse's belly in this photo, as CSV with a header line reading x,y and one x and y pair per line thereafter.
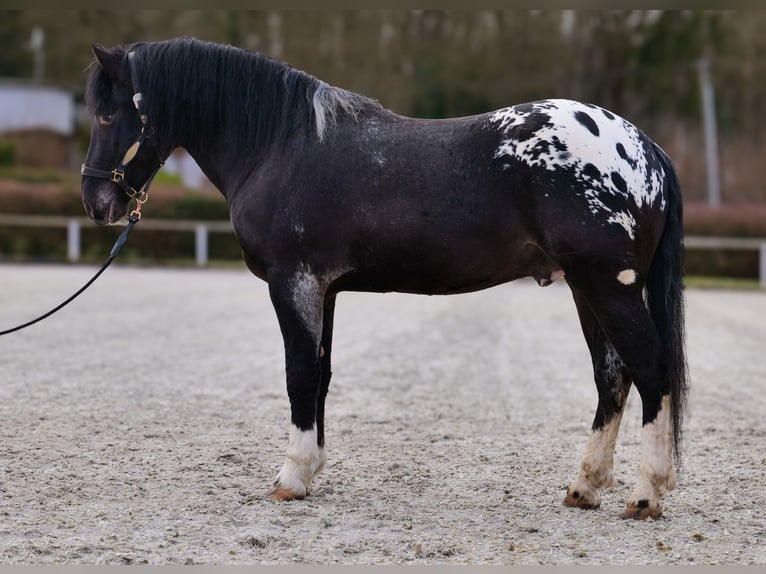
x,y
449,268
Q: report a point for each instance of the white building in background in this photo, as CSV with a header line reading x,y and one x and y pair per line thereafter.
x,y
182,164
39,121
25,107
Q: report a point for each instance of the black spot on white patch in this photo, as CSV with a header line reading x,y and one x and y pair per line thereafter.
x,y
619,183
540,148
532,124
624,155
559,145
591,171
524,109
621,151
587,121
609,115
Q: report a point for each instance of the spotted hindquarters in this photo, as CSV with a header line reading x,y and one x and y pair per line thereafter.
x,y
586,151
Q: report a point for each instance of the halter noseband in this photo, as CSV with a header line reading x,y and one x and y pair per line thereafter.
x,y
117,175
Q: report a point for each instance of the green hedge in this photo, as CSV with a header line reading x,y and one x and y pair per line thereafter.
x,y
7,153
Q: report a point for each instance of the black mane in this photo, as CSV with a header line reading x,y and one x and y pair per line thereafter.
x,y
193,87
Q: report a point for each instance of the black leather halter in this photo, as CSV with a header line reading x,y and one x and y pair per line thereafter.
x,y
117,175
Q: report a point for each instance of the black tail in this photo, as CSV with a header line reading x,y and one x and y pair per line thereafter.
x,y
665,299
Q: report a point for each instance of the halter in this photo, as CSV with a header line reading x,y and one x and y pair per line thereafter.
x,y
117,175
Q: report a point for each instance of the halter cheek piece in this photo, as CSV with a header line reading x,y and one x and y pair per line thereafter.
x,y
117,175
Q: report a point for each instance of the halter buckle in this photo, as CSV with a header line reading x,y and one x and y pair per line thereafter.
x,y
140,196
117,175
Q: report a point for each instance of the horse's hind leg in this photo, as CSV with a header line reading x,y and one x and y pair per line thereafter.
x,y
625,319
613,384
298,301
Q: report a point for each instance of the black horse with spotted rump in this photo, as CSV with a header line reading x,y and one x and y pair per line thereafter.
x,y
329,192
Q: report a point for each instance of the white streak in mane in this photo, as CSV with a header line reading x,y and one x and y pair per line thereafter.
x,y
328,101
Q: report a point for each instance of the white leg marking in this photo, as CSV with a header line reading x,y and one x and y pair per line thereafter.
x,y
307,299
627,276
596,469
304,461
657,474
307,290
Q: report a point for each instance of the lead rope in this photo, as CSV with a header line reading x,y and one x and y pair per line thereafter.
x,y
133,218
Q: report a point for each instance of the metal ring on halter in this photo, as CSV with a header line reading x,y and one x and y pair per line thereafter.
x,y
141,196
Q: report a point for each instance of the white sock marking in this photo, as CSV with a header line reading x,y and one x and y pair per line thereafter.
x,y
656,471
307,299
596,469
304,461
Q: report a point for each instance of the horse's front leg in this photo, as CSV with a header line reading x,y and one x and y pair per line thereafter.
x,y
325,353
298,301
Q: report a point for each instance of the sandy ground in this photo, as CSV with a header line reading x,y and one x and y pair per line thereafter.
x,y
145,423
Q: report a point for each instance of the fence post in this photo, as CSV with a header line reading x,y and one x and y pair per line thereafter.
x,y
762,270
200,244
73,240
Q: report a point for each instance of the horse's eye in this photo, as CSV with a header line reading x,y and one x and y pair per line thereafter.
x,y
105,119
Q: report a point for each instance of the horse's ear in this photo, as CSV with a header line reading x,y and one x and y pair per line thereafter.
x,y
114,62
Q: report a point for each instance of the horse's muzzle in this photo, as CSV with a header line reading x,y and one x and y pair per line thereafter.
x,y
103,202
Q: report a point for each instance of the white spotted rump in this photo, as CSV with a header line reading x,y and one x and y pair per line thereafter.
x,y
606,154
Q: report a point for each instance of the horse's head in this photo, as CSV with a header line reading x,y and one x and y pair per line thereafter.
x,y
122,156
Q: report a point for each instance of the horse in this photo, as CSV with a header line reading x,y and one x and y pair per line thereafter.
x,y
328,191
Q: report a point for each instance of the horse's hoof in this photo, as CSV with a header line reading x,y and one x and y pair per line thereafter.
x,y
281,494
584,500
580,503
642,510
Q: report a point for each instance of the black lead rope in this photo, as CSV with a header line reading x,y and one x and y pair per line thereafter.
x,y
117,176
132,220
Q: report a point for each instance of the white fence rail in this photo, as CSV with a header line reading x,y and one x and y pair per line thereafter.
x,y
202,229
74,225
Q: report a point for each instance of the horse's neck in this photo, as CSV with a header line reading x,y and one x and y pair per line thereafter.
x,y
216,155
216,171
219,151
